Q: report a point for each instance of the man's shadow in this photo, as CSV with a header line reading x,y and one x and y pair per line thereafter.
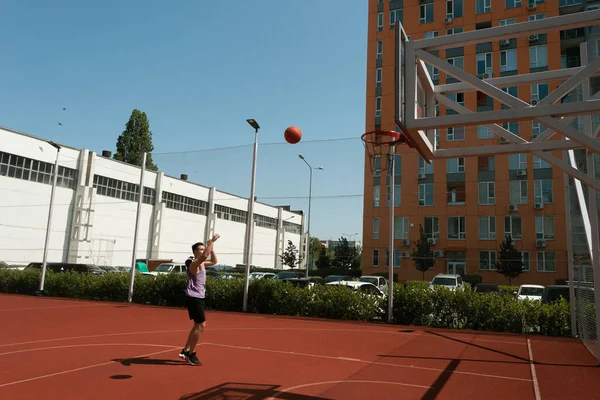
x,y
147,361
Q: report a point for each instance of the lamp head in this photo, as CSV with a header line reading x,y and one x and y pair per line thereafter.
x,y
253,123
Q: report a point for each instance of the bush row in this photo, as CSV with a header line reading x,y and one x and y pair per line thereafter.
x,y
414,303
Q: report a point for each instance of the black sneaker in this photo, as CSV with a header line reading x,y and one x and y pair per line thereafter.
x,y
192,359
184,355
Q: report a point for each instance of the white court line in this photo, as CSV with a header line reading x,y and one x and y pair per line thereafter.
x,y
52,308
366,362
85,345
79,369
536,386
244,329
280,392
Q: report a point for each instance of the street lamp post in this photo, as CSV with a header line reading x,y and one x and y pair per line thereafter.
x,y
310,167
40,292
250,222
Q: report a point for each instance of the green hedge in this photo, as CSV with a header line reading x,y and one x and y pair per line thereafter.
x,y
414,302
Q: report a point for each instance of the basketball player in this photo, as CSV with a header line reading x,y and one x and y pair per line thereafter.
x,y
194,295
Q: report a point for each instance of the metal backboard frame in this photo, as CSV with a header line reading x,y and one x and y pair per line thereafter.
x,y
417,97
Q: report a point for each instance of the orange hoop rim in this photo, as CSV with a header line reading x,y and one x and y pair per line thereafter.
x,y
395,137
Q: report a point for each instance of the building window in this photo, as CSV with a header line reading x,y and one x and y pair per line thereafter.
x,y
185,204
546,261
487,260
484,64
485,164
536,17
483,6
456,194
454,165
378,77
291,228
425,168
538,91
28,169
375,258
377,165
487,193
512,127
455,133
375,228
426,13
525,260
457,228
484,133
430,35
543,191
512,227
376,193
397,195
508,60
454,8
379,49
512,3
544,227
378,106
517,161
453,31
458,62
400,227
538,163
487,227
122,190
426,194
380,21
230,214
509,21
395,16
518,192
538,56
432,227
536,128
397,258
265,222
512,90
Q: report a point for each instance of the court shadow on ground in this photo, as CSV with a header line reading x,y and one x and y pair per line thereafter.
x,y
246,391
147,361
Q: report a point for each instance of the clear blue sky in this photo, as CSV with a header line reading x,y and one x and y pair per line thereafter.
x,y
199,69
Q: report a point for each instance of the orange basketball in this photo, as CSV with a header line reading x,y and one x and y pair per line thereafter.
x,y
293,135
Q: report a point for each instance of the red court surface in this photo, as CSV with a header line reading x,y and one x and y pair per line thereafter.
x,y
67,349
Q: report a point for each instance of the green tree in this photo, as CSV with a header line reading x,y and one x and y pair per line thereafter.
x,y
423,257
324,260
135,140
345,256
510,262
290,255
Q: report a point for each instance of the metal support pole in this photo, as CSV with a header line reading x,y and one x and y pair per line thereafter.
x,y
391,165
137,226
570,270
40,292
308,245
250,224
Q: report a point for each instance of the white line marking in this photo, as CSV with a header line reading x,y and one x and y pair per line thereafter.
x,y
536,386
344,358
79,369
53,308
244,329
367,362
280,392
85,345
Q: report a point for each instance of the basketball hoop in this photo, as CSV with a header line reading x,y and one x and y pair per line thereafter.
x,y
378,145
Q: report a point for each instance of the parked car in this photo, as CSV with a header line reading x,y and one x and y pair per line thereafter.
x,y
487,288
261,275
378,281
65,267
335,278
450,281
530,292
301,282
169,268
364,287
288,274
553,293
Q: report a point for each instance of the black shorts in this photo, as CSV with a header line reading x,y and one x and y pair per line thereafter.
x,y
195,308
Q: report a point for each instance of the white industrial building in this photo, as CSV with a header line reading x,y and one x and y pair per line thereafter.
x,y
95,206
